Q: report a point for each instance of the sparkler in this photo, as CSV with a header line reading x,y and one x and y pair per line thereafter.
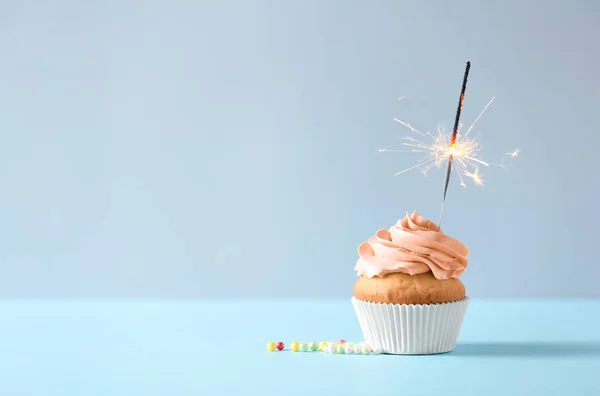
x,y
454,135
461,153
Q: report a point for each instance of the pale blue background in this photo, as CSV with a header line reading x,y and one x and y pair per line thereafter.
x,y
164,347
229,148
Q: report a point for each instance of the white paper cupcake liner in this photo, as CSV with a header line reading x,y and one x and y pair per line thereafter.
x,y
411,329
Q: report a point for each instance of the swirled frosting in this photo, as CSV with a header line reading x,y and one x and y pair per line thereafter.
x,y
413,246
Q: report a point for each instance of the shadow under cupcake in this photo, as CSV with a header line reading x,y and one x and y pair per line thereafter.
x,y
408,298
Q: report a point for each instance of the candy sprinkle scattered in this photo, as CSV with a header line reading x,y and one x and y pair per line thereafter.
x,y
294,346
342,347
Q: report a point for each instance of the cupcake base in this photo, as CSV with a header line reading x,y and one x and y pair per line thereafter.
x,y
403,329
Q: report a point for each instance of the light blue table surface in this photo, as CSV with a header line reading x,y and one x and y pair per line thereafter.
x,y
190,347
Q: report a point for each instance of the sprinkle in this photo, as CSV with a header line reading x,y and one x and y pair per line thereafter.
x,y
342,347
294,346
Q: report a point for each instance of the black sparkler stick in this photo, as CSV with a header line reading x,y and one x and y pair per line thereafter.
x,y
453,141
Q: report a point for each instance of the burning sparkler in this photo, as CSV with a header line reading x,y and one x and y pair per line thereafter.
x,y
459,152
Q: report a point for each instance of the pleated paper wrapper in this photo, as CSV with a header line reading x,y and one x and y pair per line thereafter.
x,y
403,329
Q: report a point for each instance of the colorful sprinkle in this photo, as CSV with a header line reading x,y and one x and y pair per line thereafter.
x,y
294,346
342,347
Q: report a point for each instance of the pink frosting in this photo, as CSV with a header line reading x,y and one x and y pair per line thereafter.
x,y
413,246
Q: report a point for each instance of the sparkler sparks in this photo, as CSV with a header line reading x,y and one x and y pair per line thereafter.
x,y
437,149
475,176
451,149
514,153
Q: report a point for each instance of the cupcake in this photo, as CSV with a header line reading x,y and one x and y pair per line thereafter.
x,y
408,298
